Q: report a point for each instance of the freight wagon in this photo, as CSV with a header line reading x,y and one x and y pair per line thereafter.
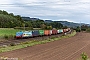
x,y
64,30
58,31
41,32
54,31
47,32
61,31
27,34
35,33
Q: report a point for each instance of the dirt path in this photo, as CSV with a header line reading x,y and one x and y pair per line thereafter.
x,y
65,49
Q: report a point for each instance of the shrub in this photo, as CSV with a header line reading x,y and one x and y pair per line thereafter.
x,y
84,56
53,37
77,30
12,44
27,42
6,36
88,30
11,36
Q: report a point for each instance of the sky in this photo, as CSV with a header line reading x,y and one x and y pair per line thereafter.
x,y
60,10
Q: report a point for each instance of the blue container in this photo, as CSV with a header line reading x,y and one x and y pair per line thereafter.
x,y
35,33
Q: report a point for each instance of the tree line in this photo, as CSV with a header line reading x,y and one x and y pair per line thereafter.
x,y
82,28
43,25
9,20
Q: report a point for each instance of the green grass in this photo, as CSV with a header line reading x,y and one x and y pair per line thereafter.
x,y
8,31
32,43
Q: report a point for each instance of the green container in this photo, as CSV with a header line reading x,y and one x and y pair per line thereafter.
x,y
41,32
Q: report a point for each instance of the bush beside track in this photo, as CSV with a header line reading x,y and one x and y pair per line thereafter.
x,y
33,42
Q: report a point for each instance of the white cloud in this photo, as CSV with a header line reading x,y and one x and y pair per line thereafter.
x,y
5,1
69,10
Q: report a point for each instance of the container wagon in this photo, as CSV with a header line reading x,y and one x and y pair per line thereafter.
x,y
58,31
35,33
50,32
61,31
27,34
64,30
41,32
69,29
47,32
54,32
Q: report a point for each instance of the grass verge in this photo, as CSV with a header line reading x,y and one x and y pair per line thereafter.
x,y
32,43
7,33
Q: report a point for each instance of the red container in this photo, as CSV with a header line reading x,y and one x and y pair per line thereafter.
x,y
64,30
47,32
54,32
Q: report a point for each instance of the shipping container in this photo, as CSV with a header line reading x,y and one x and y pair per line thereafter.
x,y
58,31
68,29
47,32
61,31
41,32
64,30
35,33
51,32
27,34
54,31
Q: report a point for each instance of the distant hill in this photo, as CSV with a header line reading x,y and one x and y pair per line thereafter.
x,y
28,18
70,24
25,18
48,21
64,23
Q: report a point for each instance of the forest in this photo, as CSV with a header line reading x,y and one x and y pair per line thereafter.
x,y
9,20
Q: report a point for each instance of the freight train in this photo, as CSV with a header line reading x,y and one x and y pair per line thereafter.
x,y
34,33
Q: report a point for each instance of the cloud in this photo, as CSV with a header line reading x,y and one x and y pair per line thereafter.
x,y
70,10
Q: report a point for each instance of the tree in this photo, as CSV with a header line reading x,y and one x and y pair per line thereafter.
x,y
64,27
56,25
4,12
0,11
7,21
49,27
43,26
37,23
77,29
11,14
84,27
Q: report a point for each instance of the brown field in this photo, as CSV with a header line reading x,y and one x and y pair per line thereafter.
x,y
65,49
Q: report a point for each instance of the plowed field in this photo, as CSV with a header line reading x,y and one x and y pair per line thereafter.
x,y
65,49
